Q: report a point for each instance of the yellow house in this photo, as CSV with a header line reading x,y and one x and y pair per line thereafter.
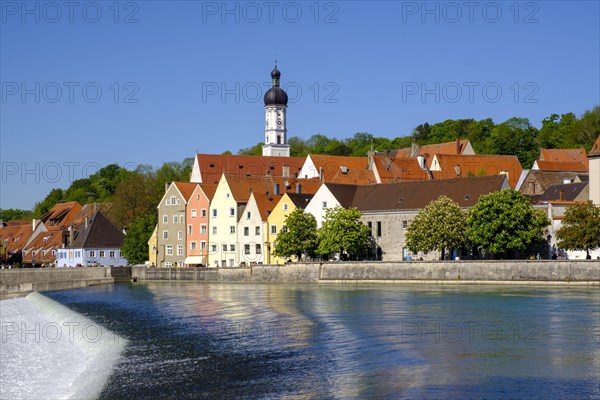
x,y
276,221
152,246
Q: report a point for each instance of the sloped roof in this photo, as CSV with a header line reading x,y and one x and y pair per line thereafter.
x,y
455,148
100,233
47,241
186,189
209,189
562,166
213,165
241,185
398,169
595,151
15,234
300,200
416,195
563,155
344,169
478,165
570,192
266,204
343,193
60,215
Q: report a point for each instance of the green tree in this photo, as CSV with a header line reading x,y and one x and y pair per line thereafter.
x,y
439,226
299,237
255,150
580,228
503,222
11,214
515,136
342,232
55,196
135,247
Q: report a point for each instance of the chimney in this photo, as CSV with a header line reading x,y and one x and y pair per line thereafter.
x,y
298,188
561,195
166,186
86,222
276,190
321,174
414,149
370,155
458,146
70,235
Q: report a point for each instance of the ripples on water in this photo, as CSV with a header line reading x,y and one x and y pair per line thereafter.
x,y
191,340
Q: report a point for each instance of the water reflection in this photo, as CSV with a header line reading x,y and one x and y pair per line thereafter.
x,y
309,341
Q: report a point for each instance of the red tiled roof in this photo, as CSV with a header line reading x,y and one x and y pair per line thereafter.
x,y
186,189
240,186
209,189
562,166
213,165
455,148
563,155
60,215
344,169
478,165
15,234
398,169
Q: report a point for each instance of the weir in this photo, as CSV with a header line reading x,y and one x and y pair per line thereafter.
x,y
52,352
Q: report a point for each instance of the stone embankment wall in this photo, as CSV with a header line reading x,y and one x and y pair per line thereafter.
x,y
482,272
16,281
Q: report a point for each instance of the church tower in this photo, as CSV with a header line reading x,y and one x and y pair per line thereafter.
x,y
276,100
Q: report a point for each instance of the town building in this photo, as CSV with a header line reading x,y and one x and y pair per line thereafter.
x,y
197,225
562,160
594,167
252,227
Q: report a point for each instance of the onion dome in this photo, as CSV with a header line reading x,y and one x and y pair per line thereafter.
x,y
276,96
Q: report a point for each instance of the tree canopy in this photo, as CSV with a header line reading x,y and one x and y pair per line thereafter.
x,y
580,228
299,237
503,222
342,232
439,226
135,247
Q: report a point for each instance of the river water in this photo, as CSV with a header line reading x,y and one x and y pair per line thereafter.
x,y
202,340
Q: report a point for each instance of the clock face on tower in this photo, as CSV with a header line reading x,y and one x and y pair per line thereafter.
x,y
279,122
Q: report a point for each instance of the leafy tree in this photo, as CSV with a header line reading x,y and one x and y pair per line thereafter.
x,y
581,228
515,136
299,237
55,196
587,128
135,247
439,226
342,232
12,214
299,148
505,221
255,150
227,153
556,132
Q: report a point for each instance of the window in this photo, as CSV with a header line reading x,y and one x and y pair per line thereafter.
x,y
285,206
197,197
178,202
111,254
232,229
214,213
169,250
192,246
102,253
194,213
168,264
214,230
203,245
273,229
213,248
324,205
175,219
232,212
248,215
257,230
78,254
258,249
378,228
246,231
54,253
224,247
203,229
189,229
227,195
231,261
203,213
168,202
165,219
173,200
179,249
246,249
223,263
370,226
404,224
165,234
179,235
232,247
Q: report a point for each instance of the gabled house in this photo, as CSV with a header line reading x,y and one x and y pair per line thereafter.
x,y
534,182
276,220
594,165
97,243
171,228
208,168
14,236
445,166
338,169
197,225
252,227
562,160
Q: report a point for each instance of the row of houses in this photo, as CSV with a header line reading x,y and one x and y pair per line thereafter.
x,y
235,206
68,235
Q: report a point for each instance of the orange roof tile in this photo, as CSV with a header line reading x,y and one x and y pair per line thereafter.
x,y
563,155
60,215
240,186
213,165
478,165
456,148
344,169
186,189
398,169
15,234
209,189
562,166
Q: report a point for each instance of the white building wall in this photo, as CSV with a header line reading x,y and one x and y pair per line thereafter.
x,y
251,220
321,201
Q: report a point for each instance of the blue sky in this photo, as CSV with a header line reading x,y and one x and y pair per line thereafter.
x,y
154,81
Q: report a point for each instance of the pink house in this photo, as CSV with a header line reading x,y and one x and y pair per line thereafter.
x,y
197,226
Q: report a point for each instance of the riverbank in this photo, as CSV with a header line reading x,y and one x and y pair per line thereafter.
x,y
551,272
15,282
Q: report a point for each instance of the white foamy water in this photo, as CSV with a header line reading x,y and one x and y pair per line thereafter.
x,y
48,351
